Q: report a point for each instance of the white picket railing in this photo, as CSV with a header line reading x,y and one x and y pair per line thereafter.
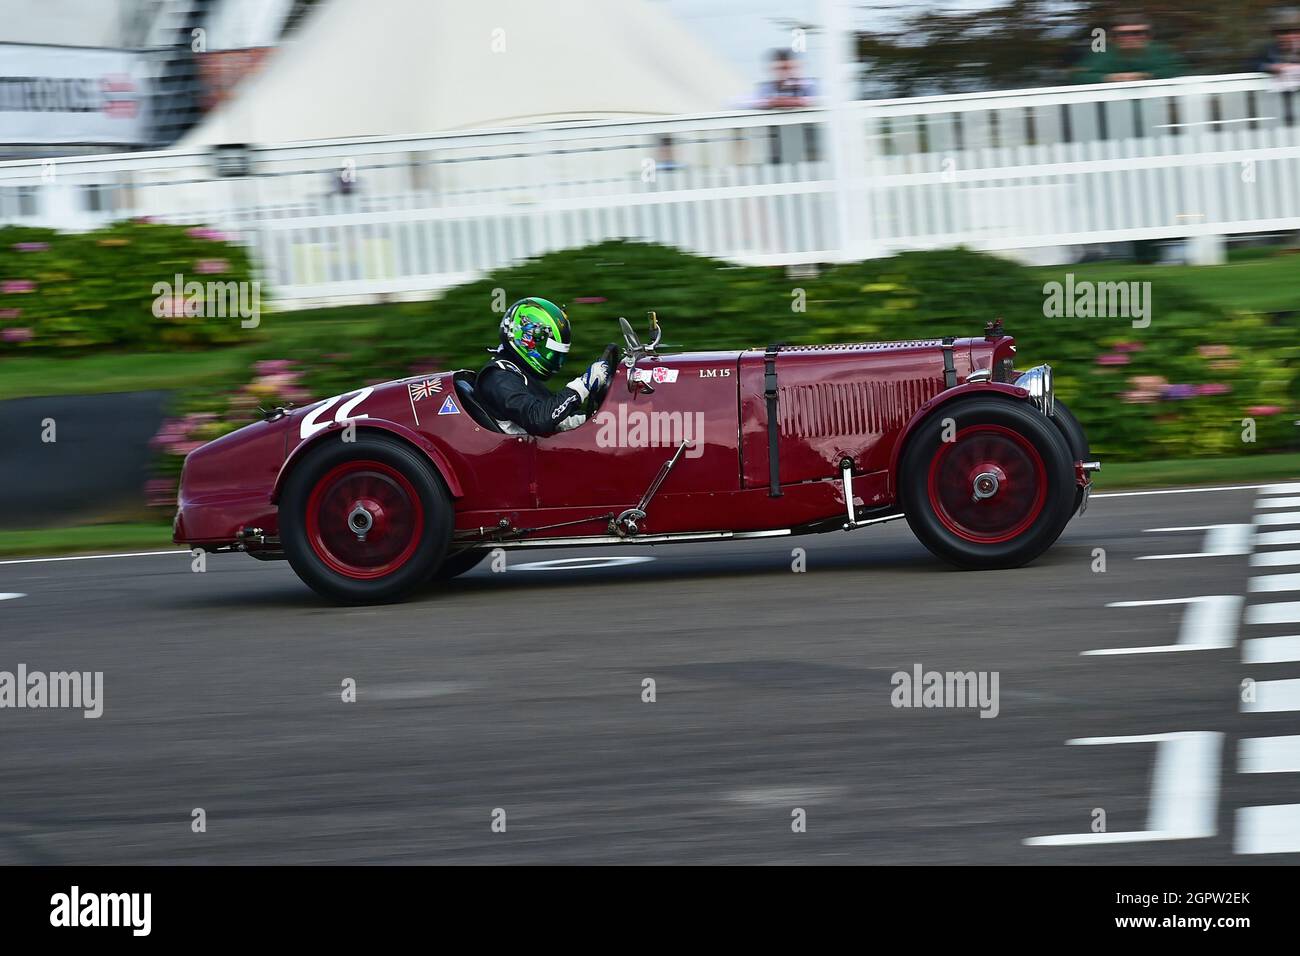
x,y
1199,158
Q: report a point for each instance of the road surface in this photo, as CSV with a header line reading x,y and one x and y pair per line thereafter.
x,y
518,697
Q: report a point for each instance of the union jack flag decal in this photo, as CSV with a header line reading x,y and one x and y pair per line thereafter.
x,y
424,389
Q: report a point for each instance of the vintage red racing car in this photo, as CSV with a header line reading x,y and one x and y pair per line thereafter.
x,y
376,492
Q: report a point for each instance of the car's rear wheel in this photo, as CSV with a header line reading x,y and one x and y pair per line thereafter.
x,y
366,521
987,483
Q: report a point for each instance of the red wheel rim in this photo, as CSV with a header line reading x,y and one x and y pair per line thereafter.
x,y
988,485
364,519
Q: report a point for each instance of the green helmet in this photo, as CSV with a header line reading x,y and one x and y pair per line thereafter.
x,y
537,332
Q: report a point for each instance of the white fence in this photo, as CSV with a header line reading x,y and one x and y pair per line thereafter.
x,y
1201,158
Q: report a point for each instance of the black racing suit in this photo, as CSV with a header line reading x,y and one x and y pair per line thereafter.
x,y
513,395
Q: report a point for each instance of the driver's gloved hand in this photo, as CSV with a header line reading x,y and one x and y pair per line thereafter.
x,y
595,379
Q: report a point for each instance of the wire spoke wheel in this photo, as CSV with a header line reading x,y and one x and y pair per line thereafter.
x,y
364,519
987,485
997,492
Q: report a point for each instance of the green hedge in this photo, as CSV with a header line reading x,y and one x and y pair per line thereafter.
x,y
97,289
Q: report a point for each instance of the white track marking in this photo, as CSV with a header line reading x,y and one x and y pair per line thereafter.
x,y
1220,540
1269,755
579,564
92,557
1284,612
1266,538
1209,622
1275,582
1181,491
1273,559
1278,517
1271,650
1278,503
1274,829
1289,488
11,595
1184,790
1273,697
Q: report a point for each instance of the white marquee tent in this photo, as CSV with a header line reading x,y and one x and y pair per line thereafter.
x,y
411,67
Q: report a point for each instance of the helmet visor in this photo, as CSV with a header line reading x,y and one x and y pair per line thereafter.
x,y
551,353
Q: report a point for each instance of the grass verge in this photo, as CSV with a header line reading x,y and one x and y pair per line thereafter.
x,y
87,539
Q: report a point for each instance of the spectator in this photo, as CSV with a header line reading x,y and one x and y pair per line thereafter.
x,y
787,89
1282,58
1130,55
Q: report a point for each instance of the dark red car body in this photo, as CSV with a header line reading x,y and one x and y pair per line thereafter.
x,y
836,404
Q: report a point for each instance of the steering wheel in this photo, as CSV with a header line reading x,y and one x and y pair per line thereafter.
x,y
597,395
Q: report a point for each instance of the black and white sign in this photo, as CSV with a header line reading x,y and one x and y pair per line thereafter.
x,y
53,94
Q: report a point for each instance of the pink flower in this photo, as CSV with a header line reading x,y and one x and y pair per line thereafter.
x,y
205,232
211,266
1112,358
1149,381
277,382
17,285
1128,347
589,300
1213,388
1139,397
170,431
272,366
8,315
32,246
15,335
1265,410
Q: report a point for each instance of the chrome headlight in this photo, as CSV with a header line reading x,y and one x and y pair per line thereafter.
x,y
1038,380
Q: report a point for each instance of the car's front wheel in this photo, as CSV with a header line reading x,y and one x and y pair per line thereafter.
x,y
987,483
365,522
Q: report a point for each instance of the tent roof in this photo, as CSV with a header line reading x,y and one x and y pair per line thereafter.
x,y
413,67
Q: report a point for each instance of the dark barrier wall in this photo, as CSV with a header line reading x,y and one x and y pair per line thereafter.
x,y
96,467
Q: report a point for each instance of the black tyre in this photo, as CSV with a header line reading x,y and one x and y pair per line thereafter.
x,y
997,493
454,565
1075,438
365,522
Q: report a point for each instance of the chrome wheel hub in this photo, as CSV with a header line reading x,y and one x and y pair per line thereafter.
x,y
360,521
984,486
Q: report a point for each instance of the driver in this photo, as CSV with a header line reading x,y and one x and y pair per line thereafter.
x,y
535,338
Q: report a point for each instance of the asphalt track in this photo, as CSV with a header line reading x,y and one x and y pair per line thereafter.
x,y
523,691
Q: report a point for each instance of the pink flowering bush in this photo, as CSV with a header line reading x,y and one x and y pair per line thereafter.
x,y
99,290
